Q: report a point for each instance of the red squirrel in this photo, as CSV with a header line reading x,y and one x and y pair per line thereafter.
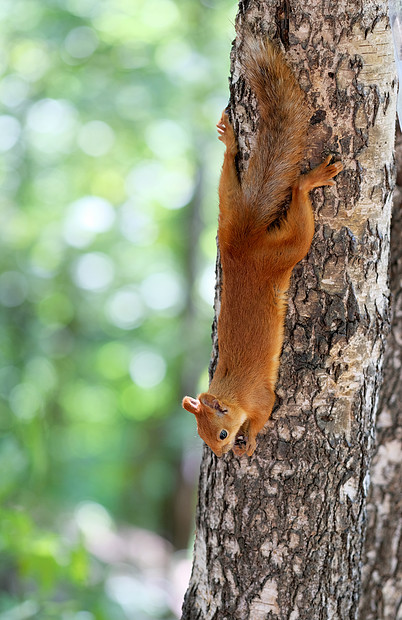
x,y
260,243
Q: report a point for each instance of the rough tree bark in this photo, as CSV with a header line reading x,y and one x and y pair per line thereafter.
x,y
280,535
382,561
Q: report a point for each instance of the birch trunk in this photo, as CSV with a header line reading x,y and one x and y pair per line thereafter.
x,y
280,535
382,568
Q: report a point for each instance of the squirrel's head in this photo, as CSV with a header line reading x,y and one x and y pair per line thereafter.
x,y
218,422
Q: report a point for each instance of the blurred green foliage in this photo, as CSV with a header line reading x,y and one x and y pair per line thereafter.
x,y
108,167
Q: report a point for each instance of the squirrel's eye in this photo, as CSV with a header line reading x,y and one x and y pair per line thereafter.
x,y
223,434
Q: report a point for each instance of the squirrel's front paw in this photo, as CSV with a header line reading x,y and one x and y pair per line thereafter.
x,y
239,450
241,442
252,444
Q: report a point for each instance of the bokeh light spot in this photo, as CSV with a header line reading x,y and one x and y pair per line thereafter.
x,y
93,271
41,372
51,116
81,42
10,131
163,290
167,139
13,90
85,218
206,284
171,187
30,60
51,126
136,226
25,400
125,308
96,138
147,369
13,288
92,518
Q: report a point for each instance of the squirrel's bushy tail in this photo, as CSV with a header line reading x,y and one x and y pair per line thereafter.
x,y
275,161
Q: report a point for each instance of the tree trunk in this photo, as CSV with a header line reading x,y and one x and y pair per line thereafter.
x,y
280,534
382,566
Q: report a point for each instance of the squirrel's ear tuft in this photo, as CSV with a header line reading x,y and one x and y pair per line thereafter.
x,y
191,404
213,403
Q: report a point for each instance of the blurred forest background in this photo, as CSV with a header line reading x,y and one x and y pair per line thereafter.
x,y
109,171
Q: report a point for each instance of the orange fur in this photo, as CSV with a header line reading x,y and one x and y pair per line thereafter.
x,y
259,248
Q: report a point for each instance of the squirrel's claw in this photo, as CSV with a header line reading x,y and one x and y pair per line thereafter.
x,y
226,134
251,447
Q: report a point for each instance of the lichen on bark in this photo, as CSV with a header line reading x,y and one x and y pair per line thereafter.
x,y
382,567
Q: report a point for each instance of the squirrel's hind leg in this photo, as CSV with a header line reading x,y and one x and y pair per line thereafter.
x,y
292,239
320,175
226,134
